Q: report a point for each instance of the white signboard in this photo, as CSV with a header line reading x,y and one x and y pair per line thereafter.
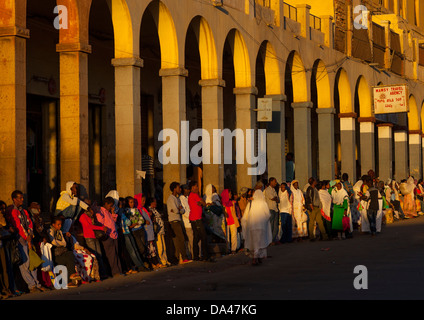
x,y
390,99
264,109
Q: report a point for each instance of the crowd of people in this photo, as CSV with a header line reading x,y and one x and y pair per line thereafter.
x,y
128,235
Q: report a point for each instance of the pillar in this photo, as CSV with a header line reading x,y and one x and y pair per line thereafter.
x,y
12,109
326,143
174,112
348,144
415,153
303,18
276,139
385,151
127,124
50,155
302,141
213,120
401,155
73,123
366,128
245,119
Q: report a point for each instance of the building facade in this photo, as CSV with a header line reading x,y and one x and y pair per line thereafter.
x,y
86,89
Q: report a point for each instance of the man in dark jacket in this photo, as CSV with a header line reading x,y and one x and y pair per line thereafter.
x,y
313,204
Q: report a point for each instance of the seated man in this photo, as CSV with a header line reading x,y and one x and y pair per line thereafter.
x,y
68,205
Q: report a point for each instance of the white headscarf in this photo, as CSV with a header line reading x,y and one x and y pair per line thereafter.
x,y
210,196
297,193
115,196
68,190
339,195
407,187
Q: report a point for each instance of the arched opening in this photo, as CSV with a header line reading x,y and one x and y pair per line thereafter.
x,y
320,97
101,102
42,106
343,105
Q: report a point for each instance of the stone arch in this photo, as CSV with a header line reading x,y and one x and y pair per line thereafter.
x,y
242,70
320,76
271,68
207,48
344,92
78,21
125,46
363,96
297,73
413,117
167,34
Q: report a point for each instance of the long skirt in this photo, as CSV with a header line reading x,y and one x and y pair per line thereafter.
x,y
409,206
338,213
87,265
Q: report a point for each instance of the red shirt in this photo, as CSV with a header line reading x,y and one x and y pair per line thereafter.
x,y
195,209
17,222
230,219
88,227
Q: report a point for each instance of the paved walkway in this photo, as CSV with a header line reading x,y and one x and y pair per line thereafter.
x,y
318,270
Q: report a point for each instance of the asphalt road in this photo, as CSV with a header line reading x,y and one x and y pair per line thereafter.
x,y
308,270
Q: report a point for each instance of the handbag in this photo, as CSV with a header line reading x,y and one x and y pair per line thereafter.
x,y
15,254
100,235
5,234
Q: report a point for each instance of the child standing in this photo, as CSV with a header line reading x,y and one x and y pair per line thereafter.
x,y
159,233
150,233
107,217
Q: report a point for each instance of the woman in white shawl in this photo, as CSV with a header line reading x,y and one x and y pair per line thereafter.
x,y
362,207
214,213
409,205
256,227
298,206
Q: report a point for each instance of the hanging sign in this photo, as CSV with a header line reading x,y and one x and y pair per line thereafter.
x,y
264,110
391,99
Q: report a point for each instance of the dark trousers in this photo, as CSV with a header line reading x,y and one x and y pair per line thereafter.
x,y
273,219
179,239
131,247
112,254
372,217
199,234
141,241
286,227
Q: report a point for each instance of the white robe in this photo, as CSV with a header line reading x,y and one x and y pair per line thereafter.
x,y
256,226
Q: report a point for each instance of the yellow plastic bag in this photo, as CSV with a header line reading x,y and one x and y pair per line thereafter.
x,y
389,216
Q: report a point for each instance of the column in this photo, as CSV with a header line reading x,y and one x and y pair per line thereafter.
x,y
422,153
348,144
174,112
366,128
127,124
212,120
276,139
50,154
302,141
304,18
326,143
245,119
385,151
401,155
415,153
73,123
12,110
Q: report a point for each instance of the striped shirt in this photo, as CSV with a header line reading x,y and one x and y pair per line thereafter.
x,y
147,164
